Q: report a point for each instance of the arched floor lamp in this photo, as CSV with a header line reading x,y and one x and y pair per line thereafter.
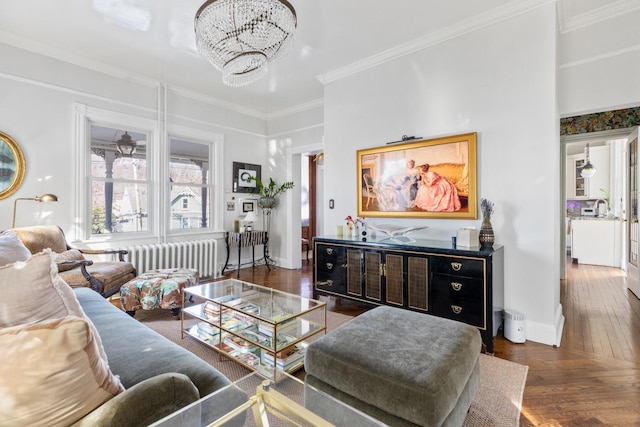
x,y
43,198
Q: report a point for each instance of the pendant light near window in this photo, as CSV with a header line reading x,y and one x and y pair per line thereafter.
x,y
126,146
588,170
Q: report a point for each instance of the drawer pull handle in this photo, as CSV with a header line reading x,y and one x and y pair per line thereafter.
x,y
456,309
329,251
456,286
330,266
327,283
456,266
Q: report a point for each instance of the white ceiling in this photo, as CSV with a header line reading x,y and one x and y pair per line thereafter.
x,y
333,36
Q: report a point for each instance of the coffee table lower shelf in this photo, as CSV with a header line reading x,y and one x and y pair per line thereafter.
x,y
249,360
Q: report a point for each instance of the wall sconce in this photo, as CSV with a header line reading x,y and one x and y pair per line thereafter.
x,y
43,198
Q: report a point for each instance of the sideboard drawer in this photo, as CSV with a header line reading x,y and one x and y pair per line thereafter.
x,y
458,266
460,309
458,287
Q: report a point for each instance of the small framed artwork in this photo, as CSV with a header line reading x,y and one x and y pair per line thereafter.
x,y
247,205
244,175
431,178
12,166
231,206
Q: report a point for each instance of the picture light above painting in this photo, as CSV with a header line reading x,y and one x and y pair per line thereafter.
x,y
429,178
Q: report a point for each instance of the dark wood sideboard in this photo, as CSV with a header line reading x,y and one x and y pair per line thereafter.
x,y
433,277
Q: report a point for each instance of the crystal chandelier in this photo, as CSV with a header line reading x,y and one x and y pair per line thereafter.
x,y
239,37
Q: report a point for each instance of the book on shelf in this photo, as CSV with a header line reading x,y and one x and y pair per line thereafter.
x,y
248,358
293,358
268,328
239,344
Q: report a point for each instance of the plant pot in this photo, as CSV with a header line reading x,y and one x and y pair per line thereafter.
x,y
267,202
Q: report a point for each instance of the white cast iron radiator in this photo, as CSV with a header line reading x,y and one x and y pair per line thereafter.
x,y
198,254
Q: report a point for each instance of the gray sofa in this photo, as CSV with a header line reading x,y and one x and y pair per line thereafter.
x,y
159,376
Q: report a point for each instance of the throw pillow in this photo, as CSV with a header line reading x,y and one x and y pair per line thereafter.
x,y
12,249
52,373
32,292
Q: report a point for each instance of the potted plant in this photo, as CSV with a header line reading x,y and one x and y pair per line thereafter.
x,y
269,193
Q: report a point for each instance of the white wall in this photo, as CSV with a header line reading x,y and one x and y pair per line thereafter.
x,y
500,82
600,66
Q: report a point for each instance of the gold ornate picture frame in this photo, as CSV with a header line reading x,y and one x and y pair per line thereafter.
x,y
430,178
12,166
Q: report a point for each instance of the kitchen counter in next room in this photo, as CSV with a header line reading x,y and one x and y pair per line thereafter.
x,y
597,241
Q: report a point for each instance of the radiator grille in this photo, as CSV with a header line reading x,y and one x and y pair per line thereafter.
x,y
198,254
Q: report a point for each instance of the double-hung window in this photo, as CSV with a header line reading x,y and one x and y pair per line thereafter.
x,y
134,183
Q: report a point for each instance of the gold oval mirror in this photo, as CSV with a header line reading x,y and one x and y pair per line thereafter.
x,y
12,166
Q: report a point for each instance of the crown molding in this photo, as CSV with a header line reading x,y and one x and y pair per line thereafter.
x,y
612,10
466,26
316,103
595,58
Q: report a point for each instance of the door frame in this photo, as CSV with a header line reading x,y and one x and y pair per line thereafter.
x,y
584,137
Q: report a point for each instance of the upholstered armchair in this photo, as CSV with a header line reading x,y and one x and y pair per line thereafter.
x,y
104,277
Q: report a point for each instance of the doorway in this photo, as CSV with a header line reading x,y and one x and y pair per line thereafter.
x,y
603,196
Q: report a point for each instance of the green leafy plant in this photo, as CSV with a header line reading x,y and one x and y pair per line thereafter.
x,y
272,190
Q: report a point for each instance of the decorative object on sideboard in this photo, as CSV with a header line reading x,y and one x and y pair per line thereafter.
x,y
240,38
43,198
588,170
354,225
12,166
429,178
487,237
397,233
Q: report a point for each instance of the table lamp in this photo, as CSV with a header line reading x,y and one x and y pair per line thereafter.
x,y
43,198
250,218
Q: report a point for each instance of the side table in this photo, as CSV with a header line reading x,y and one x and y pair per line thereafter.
x,y
243,240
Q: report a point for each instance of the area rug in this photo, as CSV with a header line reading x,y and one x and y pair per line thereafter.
x,y
497,403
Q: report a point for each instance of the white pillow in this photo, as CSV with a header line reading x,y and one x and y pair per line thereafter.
x,y
52,373
12,249
32,291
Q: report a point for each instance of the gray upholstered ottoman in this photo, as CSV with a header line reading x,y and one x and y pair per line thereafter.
x,y
400,367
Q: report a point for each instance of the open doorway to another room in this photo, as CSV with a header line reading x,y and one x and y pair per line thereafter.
x,y
311,167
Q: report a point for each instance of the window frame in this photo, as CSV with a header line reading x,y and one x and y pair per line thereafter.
x,y
158,158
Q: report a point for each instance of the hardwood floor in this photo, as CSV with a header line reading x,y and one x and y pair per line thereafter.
x,y
592,379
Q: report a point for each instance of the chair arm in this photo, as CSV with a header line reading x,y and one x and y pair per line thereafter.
x,y
96,285
120,252
145,402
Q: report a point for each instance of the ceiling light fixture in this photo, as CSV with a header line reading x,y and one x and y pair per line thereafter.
x,y
239,37
126,146
588,170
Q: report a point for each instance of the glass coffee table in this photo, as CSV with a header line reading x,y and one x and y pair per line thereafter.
x,y
269,403
263,329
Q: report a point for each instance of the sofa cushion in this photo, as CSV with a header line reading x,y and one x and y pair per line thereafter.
x,y
52,373
12,249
